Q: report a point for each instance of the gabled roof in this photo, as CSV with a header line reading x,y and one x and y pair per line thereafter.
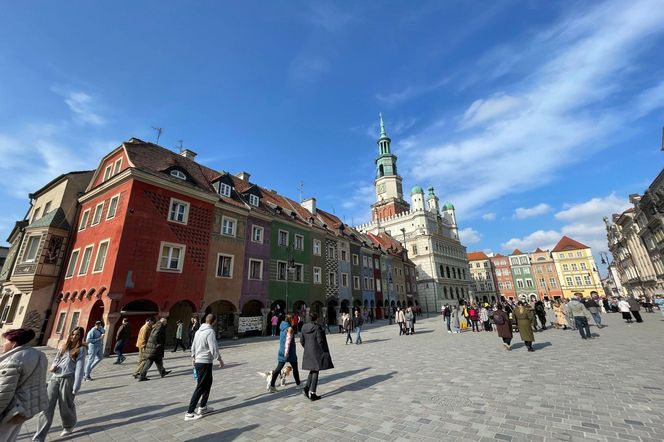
x,y
538,250
55,181
567,243
54,218
477,256
516,252
386,242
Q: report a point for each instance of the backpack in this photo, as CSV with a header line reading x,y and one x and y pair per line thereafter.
x,y
499,319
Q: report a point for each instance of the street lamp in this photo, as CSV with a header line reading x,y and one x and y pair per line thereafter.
x,y
290,269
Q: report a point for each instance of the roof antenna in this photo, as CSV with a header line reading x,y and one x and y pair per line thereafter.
x,y
159,130
301,187
180,146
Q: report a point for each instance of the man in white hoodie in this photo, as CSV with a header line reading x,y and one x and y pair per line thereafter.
x,y
204,352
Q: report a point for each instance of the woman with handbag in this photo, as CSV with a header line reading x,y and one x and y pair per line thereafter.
x,y
68,370
316,355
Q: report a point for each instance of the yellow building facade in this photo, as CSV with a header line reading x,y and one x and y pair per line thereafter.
x,y
576,268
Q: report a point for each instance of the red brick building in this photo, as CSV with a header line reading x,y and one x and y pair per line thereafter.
x,y
503,275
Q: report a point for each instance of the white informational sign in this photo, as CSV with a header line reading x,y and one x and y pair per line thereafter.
x,y
250,323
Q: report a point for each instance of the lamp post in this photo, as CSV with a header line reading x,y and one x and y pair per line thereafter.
x,y
290,269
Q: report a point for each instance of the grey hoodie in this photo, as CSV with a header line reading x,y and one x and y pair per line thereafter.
x,y
204,349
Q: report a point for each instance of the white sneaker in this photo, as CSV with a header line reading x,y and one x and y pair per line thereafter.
x,y
192,416
66,432
204,410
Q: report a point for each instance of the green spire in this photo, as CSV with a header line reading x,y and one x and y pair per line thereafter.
x,y
382,126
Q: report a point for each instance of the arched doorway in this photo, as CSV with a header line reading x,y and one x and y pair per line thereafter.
x,y
137,312
344,306
332,312
225,312
180,311
96,314
316,307
252,308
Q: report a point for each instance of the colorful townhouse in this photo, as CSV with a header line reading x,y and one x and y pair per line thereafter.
x,y
482,277
504,281
576,268
522,275
545,275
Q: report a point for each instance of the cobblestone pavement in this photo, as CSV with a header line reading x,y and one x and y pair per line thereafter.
x,y
430,386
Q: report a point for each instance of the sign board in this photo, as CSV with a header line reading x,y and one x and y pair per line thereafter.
x,y
250,323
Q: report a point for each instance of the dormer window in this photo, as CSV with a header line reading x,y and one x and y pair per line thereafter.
x,y
178,174
224,190
254,200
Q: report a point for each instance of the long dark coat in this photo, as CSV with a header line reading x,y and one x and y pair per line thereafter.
x,y
524,319
316,352
156,342
504,330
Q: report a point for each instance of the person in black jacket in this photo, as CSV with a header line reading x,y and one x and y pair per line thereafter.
x,y
120,339
154,350
316,355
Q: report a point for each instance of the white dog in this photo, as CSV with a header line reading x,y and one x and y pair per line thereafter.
x,y
267,375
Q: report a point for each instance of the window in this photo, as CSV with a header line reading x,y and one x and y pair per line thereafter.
x,y
549,268
100,259
71,268
538,269
523,260
31,248
282,271
330,251
371,284
356,259
108,172
47,208
570,255
577,279
542,283
36,214
414,249
517,271
96,218
117,166
356,282
113,207
344,280
178,174
515,261
332,279
228,226
299,242
171,257
529,283
579,254
257,234
179,211
526,271
224,266
62,317
84,220
298,274
519,283
575,267
500,285
255,269
317,247
317,275
74,321
344,255
552,283
11,311
565,268
254,200
225,189
283,238
586,280
568,279
376,264
583,266
85,261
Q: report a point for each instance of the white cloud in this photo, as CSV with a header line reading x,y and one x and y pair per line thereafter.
x,y
83,106
567,108
410,91
529,212
544,239
490,216
594,209
469,235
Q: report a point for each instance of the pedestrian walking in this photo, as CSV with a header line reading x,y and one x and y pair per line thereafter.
x,y
634,308
524,318
316,355
95,342
141,342
580,314
503,326
287,353
204,351
179,330
569,317
474,316
121,338
194,325
67,373
358,321
409,318
401,321
22,382
154,350
540,312
484,318
447,315
348,327
594,309
456,315
623,306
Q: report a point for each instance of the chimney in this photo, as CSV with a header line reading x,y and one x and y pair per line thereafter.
x,y
244,176
310,205
188,154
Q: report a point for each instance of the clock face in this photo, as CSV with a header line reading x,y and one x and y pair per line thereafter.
x,y
381,188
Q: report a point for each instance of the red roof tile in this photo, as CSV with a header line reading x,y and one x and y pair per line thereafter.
x,y
516,252
477,256
567,243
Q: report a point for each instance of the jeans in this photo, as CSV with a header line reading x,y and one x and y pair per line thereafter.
x,y
348,336
95,355
475,324
581,323
597,318
447,321
203,385
118,350
312,381
358,337
280,366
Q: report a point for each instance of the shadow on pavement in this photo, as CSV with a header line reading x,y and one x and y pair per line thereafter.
x,y
97,390
226,434
139,414
541,345
361,384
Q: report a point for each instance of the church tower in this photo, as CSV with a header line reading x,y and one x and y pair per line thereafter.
x,y
388,184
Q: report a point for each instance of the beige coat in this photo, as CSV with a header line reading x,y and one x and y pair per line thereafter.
x,y
22,383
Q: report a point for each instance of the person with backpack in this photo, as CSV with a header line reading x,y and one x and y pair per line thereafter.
x,y
503,325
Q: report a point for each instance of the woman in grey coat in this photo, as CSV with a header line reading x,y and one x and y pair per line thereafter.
x,y
316,355
22,382
456,319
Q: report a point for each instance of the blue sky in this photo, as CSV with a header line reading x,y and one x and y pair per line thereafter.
x,y
534,118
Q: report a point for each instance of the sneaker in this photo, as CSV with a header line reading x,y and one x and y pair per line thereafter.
x,y
88,379
165,373
204,410
66,432
314,397
192,416
272,389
